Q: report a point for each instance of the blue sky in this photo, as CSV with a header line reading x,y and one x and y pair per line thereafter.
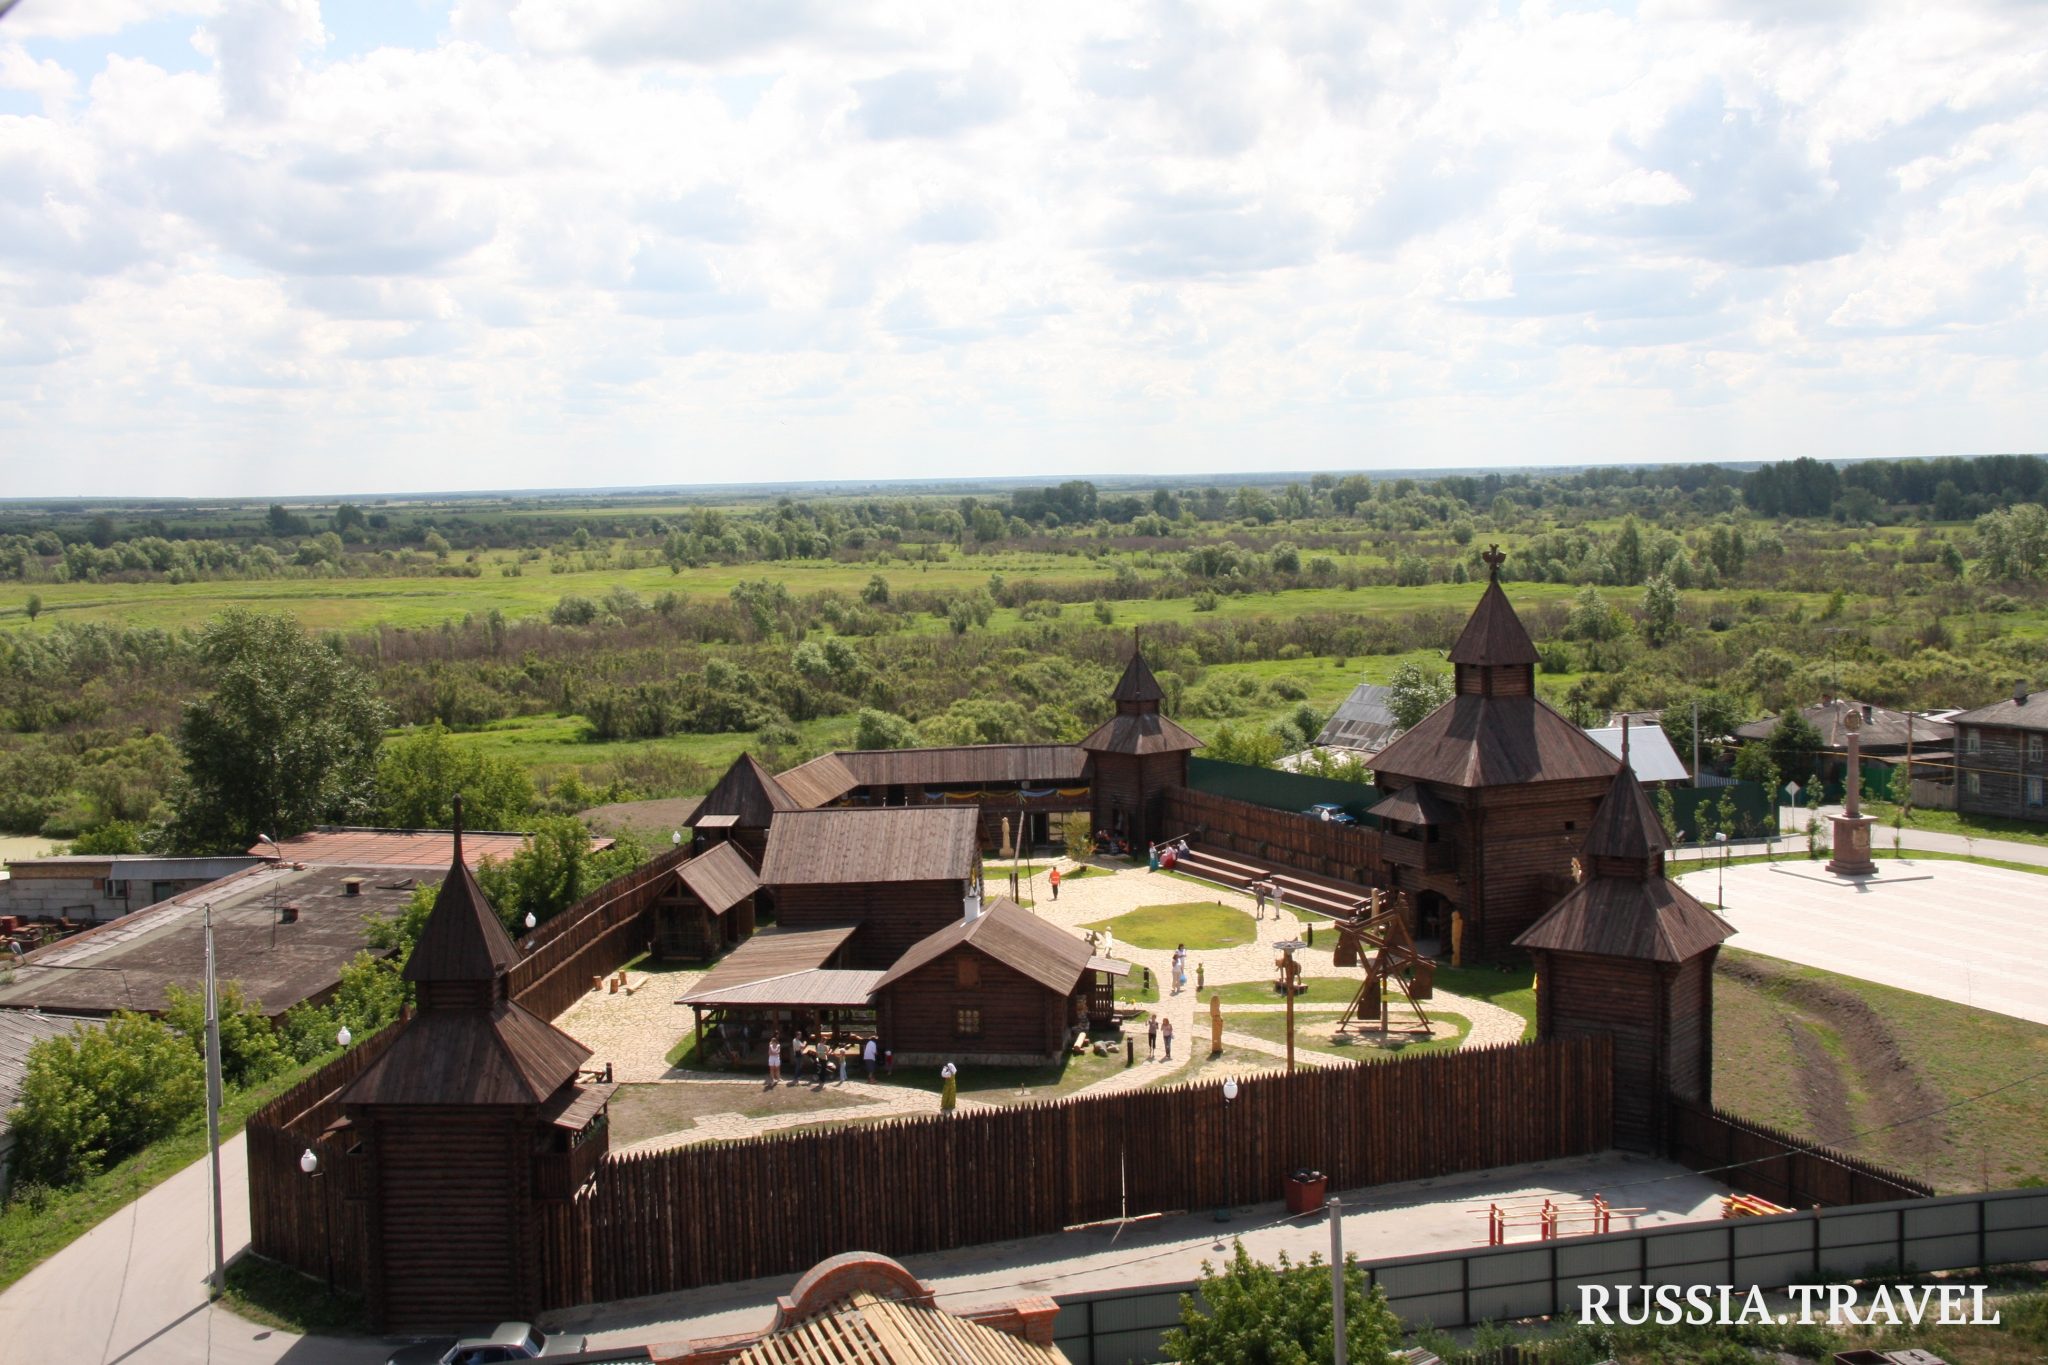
x,y
269,248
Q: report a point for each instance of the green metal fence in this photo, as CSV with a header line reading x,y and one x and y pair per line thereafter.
x,y
1278,789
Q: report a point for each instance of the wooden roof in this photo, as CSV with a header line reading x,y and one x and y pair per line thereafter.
x,y
1651,919
818,988
462,939
774,952
1625,826
747,791
1011,935
1478,741
1143,733
1044,763
1494,635
1415,805
1137,684
720,877
500,1056
819,782
869,1330
887,844
574,1106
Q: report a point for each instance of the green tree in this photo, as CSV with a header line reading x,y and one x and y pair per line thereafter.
x,y
1660,610
419,776
249,1048
95,1095
34,605
1250,1313
1753,763
556,869
1253,748
1795,746
1077,832
1416,693
115,836
2013,541
882,730
285,738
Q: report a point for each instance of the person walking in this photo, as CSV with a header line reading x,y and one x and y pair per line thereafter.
x,y
775,1061
1259,894
1166,1036
867,1055
1152,1040
1052,879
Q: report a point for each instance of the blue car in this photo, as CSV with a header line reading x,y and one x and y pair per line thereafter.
x,y
1334,814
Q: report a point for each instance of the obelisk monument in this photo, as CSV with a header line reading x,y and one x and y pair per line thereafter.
x,y
1852,826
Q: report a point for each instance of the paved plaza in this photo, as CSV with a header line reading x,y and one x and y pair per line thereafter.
x,y
1975,935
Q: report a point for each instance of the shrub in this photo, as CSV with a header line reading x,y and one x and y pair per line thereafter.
x,y
96,1095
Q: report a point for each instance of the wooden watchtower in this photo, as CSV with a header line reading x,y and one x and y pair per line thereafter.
x,y
470,1119
1630,954
1135,755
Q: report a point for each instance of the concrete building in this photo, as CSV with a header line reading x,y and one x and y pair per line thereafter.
x,y
91,888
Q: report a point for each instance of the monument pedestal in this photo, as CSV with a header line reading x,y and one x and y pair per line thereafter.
x,y
1852,846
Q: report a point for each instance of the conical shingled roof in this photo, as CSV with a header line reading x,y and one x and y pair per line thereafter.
x,y
462,939
749,793
1626,826
1137,683
1494,635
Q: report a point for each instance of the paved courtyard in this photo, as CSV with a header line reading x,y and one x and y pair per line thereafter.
x,y
1958,931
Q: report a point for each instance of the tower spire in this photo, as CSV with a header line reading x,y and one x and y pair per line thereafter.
x,y
458,827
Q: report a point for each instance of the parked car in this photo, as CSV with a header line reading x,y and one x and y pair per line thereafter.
x,y
512,1341
1334,814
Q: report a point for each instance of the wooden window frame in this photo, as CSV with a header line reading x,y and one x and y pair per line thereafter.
x,y
967,1021
1974,783
2034,748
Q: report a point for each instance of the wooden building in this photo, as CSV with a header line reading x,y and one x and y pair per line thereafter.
x,y
2002,755
1630,954
740,808
468,1120
709,906
1134,756
1881,733
901,874
1489,796
998,985
1026,785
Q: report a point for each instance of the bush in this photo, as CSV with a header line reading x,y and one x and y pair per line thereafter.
x,y
249,1050
1077,831
96,1095
114,837
1205,600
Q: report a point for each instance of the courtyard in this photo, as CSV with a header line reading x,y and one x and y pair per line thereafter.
x,y
1959,931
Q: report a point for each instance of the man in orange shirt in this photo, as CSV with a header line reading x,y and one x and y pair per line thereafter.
x,y
1053,879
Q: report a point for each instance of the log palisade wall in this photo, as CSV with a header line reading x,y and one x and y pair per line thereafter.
x,y
1347,852
710,1214
1779,1166
608,926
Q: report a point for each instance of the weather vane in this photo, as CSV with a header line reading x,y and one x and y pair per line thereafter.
x,y
1494,559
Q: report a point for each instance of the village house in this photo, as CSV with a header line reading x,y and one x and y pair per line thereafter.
x,y
2002,755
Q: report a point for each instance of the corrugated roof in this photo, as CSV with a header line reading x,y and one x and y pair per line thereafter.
x,y
1011,935
819,782
502,1056
748,791
335,846
1477,741
818,988
1649,752
1364,720
866,1330
959,764
21,1030
1146,733
1650,919
1882,728
774,952
1494,635
720,877
890,844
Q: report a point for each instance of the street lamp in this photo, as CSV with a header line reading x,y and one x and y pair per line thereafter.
x,y
309,1162
1229,1094
1290,947
675,838
344,1037
530,920
1721,877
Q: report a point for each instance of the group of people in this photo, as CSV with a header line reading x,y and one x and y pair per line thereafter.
x,y
818,1058
1156,1031
1167,854
1269,889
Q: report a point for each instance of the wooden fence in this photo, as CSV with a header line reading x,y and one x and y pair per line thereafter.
x,y
1776,1165
1347,852
590,938
777,1205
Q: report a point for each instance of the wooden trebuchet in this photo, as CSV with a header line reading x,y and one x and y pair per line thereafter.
x,y
1377,936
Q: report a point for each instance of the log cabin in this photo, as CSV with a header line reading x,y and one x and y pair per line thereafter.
x,y
708,906
472,1117
900,874
1630,954
1489,796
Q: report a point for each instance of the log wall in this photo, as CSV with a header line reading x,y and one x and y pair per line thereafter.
x,y
1348,852
1775,1165
893,916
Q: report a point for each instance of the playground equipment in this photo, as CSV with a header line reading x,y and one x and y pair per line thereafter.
x,y
1748,1206
1551,1218
1377,936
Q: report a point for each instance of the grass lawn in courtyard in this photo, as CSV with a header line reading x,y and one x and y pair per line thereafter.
x,y
1214,1068
1317,1032
1200,925
1021,1084
1844,1061
1512,989
1315,990
640,1112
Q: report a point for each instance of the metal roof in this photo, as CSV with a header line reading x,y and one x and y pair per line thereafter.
x,y
774,951
887,844
21,1030
1650,754
1880,728
2027,712
337,846
1364,720
818,988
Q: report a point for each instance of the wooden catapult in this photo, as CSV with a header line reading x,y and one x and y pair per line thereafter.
x,y
1377,936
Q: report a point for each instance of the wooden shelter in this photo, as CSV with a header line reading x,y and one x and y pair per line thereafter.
x,y
1136,755
1629,954
1490,795
901,874
998,984
471,1117
1028,784
709,906
740,808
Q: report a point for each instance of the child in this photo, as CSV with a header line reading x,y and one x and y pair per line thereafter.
x,y
775,1061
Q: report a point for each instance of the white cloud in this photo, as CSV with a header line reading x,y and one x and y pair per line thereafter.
x,y
908,238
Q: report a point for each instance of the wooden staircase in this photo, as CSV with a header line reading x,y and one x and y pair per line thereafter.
x,y
1304,890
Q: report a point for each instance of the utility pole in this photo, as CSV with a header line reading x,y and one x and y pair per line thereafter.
x,y
1336,1212
1695,742
219,1277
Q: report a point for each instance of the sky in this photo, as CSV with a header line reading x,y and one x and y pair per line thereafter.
x,y
396,245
